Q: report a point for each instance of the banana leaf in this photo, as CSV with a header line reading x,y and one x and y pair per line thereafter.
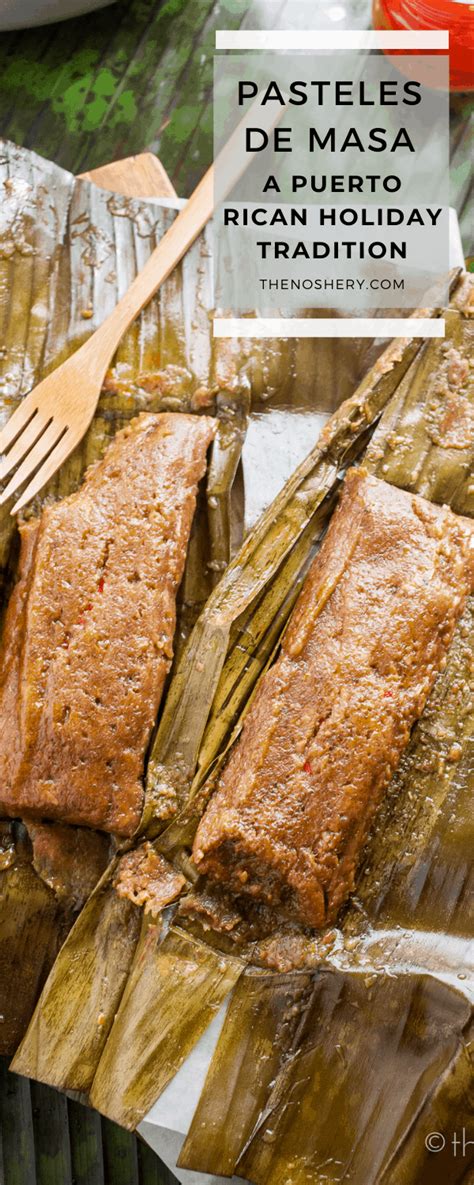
x,y
264,1015
201,981
56,1059
233,640
67,251
258,586
399,968
425,440
326,1106
136,1036
417,866
405,937
29,939
116,959
393,993
39,900
364,1068
72,1028
413,893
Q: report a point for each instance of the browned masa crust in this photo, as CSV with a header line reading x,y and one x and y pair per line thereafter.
x,y
146,878
331,717
89,630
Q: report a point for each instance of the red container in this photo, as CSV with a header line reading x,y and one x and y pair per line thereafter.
x,y
455,15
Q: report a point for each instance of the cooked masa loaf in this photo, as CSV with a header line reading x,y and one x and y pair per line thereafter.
x,y
88,637
331,717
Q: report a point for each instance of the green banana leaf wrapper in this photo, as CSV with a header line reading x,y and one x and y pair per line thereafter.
x,y
302,1083
68,250
47,872
350,1080
384,998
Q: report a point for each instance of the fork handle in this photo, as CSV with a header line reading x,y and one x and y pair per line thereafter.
x,y
229,165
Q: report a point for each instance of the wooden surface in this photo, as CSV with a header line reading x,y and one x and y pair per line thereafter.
x,y
47,1139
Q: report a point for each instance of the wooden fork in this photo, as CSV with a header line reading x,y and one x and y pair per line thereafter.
x,y
53,418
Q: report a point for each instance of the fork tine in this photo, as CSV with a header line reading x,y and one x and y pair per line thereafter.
x,y
25,441
16,422
48,439
62,449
